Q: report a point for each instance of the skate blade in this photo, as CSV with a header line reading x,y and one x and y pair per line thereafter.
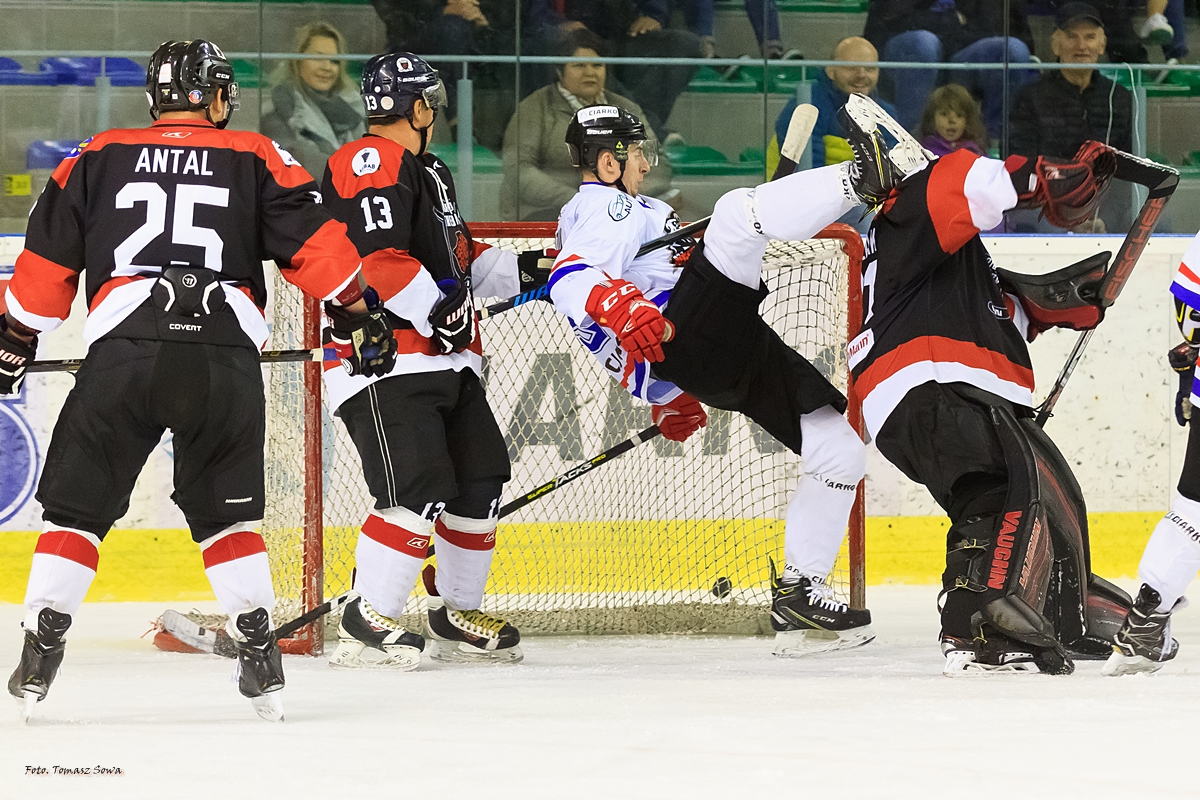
x,y
1119,664
26,704
449,652
354,654
269,706
960,664
795,644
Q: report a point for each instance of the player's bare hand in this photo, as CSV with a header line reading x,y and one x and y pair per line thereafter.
x,y
679,418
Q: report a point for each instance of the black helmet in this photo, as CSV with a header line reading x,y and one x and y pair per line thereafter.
x,y
598,128
186,76
393,81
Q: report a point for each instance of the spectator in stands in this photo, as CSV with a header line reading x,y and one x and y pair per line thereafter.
x,y
538,176
460,27
314,107
1056,114
633,29
1165,26
965,31
763,16
952,122
832,89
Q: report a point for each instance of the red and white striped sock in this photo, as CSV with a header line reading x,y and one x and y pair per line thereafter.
x,y
391,548
64,564
464,549
235,561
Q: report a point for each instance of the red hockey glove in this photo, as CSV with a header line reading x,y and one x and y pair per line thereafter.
x,y
1067,191
679,418
640,327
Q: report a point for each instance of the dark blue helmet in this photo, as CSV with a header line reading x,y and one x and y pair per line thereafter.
x,y
187,76
392,82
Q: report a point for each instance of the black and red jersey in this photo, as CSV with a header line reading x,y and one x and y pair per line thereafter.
x,y
933,309
128,203
401,212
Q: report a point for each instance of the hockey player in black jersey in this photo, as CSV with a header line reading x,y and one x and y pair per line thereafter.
x,y
943,369
172,224
433,456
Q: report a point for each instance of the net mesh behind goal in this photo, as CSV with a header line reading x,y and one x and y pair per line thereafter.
x,y
667,538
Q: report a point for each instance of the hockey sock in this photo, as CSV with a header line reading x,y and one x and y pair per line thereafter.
x,y
1172,556
745,221
464,552
834,460
64,564
388,558
235,561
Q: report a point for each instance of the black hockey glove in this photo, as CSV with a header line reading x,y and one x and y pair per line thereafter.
x,y
1182,359
453,318
533,268
15,355
364,342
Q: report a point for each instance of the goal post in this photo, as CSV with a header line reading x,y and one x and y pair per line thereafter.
x,y
668,538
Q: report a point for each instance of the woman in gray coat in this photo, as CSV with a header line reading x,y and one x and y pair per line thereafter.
x,y
538,176
314,107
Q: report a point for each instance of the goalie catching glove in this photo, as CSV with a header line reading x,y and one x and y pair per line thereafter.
x,y
680,418
15,355
639,326
1067,191
453,318
364,342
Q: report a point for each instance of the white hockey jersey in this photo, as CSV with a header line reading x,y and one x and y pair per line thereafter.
x,y
599,233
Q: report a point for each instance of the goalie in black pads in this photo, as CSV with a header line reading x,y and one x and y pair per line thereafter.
x,y
947,385
681,327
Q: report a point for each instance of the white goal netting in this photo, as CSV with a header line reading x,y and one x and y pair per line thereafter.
x,y
667,538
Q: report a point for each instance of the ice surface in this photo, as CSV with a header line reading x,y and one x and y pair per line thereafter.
x,y
605,717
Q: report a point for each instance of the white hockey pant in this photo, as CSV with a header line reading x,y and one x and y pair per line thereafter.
x,y
745,221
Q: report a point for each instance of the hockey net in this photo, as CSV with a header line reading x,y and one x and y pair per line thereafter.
x,y
667,538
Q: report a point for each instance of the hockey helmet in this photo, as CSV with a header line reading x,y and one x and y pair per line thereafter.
x,y
392,82
598,128
187,76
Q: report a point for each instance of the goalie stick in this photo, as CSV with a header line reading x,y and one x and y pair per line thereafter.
x,y
1161,181
196,638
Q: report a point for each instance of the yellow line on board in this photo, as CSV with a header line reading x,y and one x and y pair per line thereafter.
x,y
165,565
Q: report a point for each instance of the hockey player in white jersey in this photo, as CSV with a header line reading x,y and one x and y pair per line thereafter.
x,y
1172,556
680,328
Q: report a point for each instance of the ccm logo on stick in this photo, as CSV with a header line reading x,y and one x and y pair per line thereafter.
x,y
1003,551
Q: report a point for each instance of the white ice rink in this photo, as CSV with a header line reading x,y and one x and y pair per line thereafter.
x,y
606,717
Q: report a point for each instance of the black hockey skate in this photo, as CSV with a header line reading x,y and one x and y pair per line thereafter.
x,y
40,660
990,652
808,619
872,174
260,664
1144,642
472,636
367,638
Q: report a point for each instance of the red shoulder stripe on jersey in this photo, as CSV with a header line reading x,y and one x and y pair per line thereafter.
x,y
389,271
941,348
69,545
239,544
325,262
1188,273
347,182
43,287
946,195
479,248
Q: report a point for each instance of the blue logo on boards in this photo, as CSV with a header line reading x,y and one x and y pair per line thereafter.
x,y
18,461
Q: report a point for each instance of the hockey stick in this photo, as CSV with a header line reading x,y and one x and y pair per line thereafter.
x,y
267,357
795,141
1161,181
